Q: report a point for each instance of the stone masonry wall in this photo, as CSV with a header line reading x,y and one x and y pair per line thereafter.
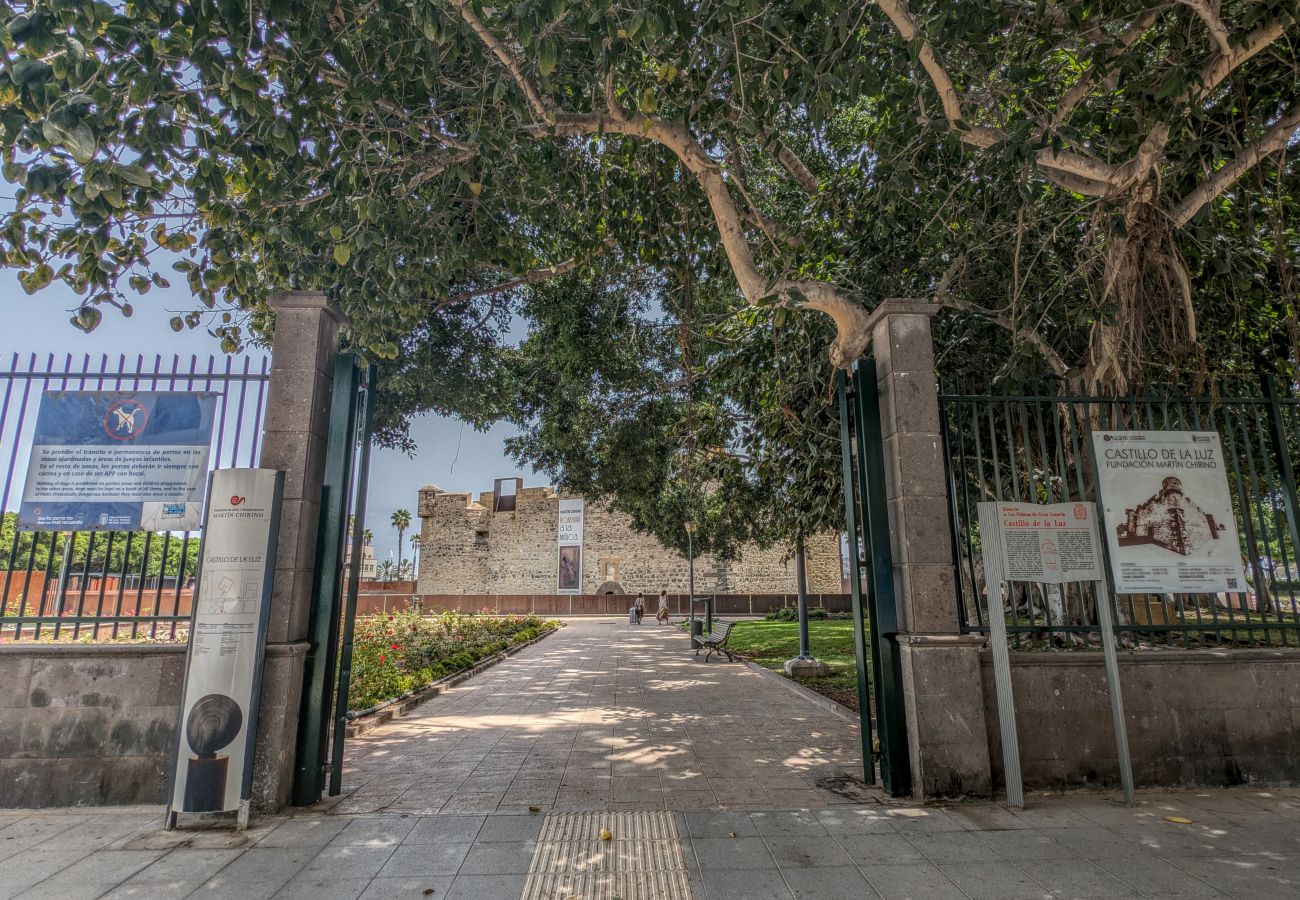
x,y
465,548
87,725
1195,717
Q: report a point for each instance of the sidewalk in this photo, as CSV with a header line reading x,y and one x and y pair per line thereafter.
x,y
1240,843
709,782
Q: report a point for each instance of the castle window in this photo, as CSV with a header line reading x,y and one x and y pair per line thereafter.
x,y
480,539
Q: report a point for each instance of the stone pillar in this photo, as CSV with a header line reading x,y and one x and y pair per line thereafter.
x,y
942,685
293,440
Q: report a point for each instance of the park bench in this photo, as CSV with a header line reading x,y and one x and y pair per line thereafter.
x,y
716,641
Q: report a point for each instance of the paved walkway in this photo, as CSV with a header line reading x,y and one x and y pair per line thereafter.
x,y
602,716
438,808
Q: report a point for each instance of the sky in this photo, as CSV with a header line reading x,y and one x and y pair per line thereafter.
x,y
451,454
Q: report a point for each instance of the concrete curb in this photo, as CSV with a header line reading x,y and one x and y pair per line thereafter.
x,y
400,706
808,694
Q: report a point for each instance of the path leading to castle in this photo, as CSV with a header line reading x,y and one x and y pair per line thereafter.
x,y
653,776
607,716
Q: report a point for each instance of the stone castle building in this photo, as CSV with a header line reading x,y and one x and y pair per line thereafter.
x,y
506,542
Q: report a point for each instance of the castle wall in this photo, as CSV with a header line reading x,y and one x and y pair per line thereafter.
x,y
465,548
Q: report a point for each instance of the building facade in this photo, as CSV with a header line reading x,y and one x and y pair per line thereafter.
x,y
506,541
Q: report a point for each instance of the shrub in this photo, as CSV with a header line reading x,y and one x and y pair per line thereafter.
x,y
398,651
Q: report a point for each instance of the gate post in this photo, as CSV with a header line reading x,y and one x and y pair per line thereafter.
x,y
294,438
942,686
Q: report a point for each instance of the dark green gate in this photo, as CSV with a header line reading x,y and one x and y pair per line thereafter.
x,y
322,716
867,525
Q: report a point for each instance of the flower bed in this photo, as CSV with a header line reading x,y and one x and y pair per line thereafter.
x,y
397,651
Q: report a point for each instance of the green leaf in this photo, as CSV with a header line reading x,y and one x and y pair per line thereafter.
x,y
342,253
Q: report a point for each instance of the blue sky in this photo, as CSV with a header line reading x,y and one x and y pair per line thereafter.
x,y
450,454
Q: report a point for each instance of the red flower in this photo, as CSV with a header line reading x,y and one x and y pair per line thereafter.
x,y
394,647
382,657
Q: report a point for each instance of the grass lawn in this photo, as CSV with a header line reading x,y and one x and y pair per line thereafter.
x,y
770,644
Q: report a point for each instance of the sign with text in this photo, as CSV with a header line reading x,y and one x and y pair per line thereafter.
x,y
218,727
1168,510
569,576
1048,543
114,461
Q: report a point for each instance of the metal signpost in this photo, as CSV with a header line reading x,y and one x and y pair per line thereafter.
x,y
1046,544
213,764
118,461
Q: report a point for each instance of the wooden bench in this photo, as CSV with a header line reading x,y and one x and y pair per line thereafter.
x,y
716,641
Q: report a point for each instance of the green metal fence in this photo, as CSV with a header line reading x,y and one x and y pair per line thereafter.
x,y
1035,447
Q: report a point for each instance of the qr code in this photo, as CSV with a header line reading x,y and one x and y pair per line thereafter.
x,y
1232,584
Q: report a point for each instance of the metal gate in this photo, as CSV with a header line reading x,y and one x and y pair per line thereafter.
x,y
876,622
322,718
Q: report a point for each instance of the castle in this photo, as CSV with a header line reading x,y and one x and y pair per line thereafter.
x,y
508,541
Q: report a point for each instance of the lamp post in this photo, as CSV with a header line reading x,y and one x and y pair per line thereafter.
x,y
690,583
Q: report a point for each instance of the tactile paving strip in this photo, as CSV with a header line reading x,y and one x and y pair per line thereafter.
x,y
642,860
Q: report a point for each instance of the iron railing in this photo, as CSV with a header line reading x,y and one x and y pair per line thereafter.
x,y
111,584
1035,447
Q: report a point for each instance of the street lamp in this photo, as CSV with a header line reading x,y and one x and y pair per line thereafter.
x,y
690,564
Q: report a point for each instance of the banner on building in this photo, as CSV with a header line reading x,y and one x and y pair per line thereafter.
x,y
1168,512
1047,543
213,770
569,571
114,461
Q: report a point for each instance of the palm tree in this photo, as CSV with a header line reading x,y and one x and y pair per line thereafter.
x,y
401,521
368,536
386,570
415,554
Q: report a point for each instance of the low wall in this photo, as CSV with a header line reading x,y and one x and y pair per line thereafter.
x,y
1195,717
614,604
87,725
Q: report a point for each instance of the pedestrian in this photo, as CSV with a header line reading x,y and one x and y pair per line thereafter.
x,y
639,607
662,615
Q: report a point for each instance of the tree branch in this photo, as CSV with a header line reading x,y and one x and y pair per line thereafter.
x,y
1275,138
1210,16
1224,64
1028,335
533,277
540,107
1088,80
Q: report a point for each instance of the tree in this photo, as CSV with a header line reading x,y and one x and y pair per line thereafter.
x,y
401,520
387,571
415,554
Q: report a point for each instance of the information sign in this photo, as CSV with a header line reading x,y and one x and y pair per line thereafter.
x,y
218,726
114,461
1049,544
569,572
1168,511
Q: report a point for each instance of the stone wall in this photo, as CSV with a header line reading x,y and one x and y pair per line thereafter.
x,y
87,725
466,548
1195,717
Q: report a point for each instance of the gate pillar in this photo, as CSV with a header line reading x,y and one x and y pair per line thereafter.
x,y
294,439
942,685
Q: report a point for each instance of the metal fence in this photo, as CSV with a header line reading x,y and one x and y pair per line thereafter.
x,y
1036,448
101,585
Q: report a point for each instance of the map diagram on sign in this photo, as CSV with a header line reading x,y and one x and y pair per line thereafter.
x,y
229,593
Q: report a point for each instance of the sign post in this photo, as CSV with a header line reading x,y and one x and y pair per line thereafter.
x,y
213,766
1046,544
114,461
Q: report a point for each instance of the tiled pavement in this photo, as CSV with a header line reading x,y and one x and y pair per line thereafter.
x,y
605,716
615,701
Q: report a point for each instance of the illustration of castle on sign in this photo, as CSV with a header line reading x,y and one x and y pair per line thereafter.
x,y
1170,520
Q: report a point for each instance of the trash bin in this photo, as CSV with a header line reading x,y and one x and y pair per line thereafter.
x,y
697,629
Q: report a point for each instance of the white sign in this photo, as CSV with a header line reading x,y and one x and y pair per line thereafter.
x,y
118,461
569,569
1048,543
214,762
1168,510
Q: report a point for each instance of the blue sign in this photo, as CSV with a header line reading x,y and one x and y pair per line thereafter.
x,y
113,461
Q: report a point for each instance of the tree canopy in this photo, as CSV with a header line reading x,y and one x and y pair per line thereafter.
x,y
1097,189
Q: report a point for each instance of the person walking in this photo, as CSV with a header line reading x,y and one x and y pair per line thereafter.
x,y
638,608
661,616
